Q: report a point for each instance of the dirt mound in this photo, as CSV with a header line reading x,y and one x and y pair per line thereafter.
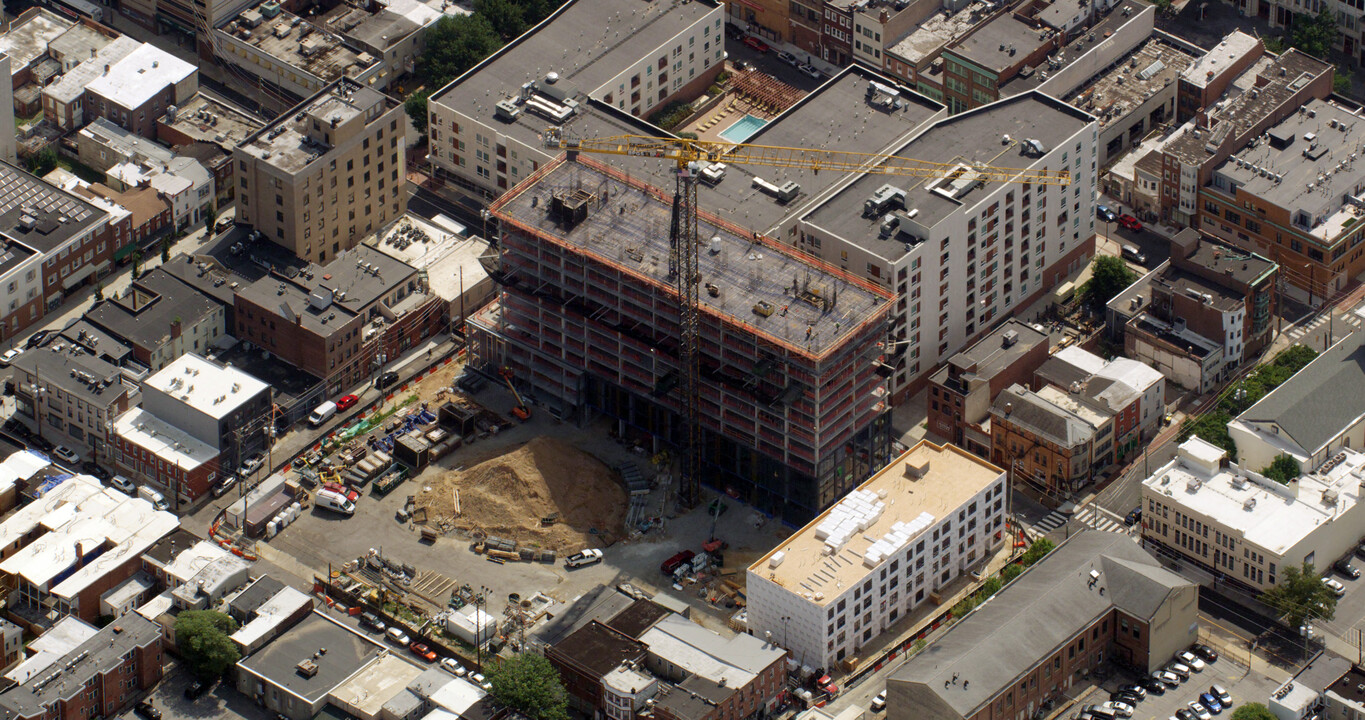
x,y
509,494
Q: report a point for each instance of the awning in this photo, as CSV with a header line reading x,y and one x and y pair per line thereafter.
x,y
77,277
125,251
175,23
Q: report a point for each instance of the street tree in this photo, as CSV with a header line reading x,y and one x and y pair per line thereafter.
x,y
1040,547
454,44
1253,711
202,637
1300,595
1314,34
1108,278
529,683
210,217
416,108
505,17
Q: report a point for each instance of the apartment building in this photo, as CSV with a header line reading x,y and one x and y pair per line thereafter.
x,y
1310,416
914,55
1199,315
103,675
340,321
485,126
929,517
962,255
1096,598
1236,525
793,413
58,241
326,174
160,319
208,128
1350,15
961,392
1295,195
136,90
394,34
64,100
63,552
217,404
71,397
1048,440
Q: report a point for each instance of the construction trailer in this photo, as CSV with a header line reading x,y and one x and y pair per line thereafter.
x,y
793,400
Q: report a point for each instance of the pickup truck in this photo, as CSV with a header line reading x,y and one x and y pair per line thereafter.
x,y
584,558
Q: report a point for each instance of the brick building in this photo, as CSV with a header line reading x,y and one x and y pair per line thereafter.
x,y
136,90
961,392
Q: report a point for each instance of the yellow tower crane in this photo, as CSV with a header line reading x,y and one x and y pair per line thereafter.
x,y
691,157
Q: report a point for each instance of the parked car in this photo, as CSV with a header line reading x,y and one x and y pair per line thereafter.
x,y
788,58
1345,567
1223,697
146,710
1153,686
1128,222
222,487
9,356
345,492
591,556
422,651
756,44
251,464
66,454
478,679
1124,697
372,621
1189,658
1337,588
1185,714
812,71
1179,669
1204,651
1099,711
879,702
123,484
453,666
1210,702
198,688
1134,517
1121,709
1167,678
223,224
346,402
37,339
397,636
672,564
1200,711
18,429
92,468
1131,253
1104,213
1135,689
1360,551
385,379
40,442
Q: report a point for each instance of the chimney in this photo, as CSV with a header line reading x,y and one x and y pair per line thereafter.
x,y
175,328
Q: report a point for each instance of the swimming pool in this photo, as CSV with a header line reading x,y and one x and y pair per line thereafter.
x,y
743,129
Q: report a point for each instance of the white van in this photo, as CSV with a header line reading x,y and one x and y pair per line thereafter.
x,y
335,502
322,413
157,500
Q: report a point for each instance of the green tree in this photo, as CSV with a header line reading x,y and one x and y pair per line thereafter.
x,y
533,11
506,18
1040,547
1314,34
454,44
137,263
1273,45
1341,81
210,217
529,683
416,108
1253,711
202,637
1301,595
42,162
1108,278
165,250
99,291
990,587
1282,469
1011,571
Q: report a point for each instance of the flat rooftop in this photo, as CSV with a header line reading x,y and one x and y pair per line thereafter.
x,y
208,387
1269,515
28,37
1000,42
348,652
1215,62
953,477
285,37
80,41
138,77
970,137
1080,45
169,443
287,143
147,312
1151,67
76,372
90,660
450,260
628,229
364,694
71,86
55,642
209,119
1305,164
1181,282
992,353
941,28
39,214
732,660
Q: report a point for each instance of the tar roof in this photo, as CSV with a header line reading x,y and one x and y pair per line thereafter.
x,y
348,652
1035,615
349,284
138,77
90,660
1000,43
627,226
598,648
1181,282
1084,46
940,29
39,214
639,617
288,144
147,313
303,45
599,604
994,352
970,137
210,119
1234,263
1151,66
693,699
953,476
255,595
29,35
1319,401
1306,163
75,372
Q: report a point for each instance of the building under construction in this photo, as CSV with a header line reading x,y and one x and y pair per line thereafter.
x,y
792,396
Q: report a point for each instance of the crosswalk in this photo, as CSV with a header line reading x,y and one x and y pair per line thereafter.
x,y
1092,515
1349,319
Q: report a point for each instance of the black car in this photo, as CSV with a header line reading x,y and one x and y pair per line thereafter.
x,y
1134,516
90,468
1125,697
37,339
1133,689
146,710
1344,567
1154,686
40,442
17,429
1185,714
1206,653
385,380
197,688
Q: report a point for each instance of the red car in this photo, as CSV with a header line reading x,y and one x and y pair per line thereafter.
x,y
342,490
756,44
1128,222
345,402
422,651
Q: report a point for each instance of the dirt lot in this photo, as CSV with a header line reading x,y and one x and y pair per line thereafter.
x,y
509,494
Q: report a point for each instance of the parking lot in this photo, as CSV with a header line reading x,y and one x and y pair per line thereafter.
x,y
1351,606
221,703
1242,685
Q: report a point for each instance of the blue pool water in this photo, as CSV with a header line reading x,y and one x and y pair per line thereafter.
x,y
743,129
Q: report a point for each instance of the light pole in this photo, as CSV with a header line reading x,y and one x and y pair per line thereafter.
x,y
38,392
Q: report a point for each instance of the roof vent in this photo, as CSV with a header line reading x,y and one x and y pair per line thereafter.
x,y
307,668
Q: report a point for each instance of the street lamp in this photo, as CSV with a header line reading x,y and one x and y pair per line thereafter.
x,y
38,393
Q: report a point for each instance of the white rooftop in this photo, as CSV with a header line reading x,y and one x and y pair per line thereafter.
x,y
457,696
364,693
18,466
1081,358
191,560
1066,401
732,661
270,614
451,259
64,636
212,389
1269,515
166,441
1130,372
140,75
71,85
157,606
68,181
1235,45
